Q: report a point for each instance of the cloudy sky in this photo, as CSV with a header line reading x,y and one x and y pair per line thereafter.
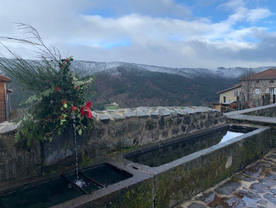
x,y
172,33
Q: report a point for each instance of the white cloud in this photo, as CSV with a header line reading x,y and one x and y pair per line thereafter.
x,y
246,15
142,31
238,16
255,15
245,33
232,4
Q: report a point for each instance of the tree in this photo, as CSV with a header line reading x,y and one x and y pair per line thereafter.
x,y
246,85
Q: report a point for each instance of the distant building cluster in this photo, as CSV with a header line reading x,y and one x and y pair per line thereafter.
x,y
252,91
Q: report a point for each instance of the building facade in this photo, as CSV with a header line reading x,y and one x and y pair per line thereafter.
x,y
228,99
4,99
230,95
259,89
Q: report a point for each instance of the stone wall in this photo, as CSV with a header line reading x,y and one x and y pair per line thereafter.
x,y
266,112
113,131
126,128
17,160
197,172
253,90
165,186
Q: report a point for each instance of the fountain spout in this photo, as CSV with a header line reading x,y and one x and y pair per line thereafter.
x,y
73,118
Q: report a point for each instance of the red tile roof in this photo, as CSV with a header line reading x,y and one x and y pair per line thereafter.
x,y
267,74
4,79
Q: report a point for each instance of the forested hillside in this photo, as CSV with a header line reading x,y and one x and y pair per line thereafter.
x,y
132,86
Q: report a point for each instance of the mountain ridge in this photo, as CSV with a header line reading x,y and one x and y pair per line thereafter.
x,y
234,72
133,85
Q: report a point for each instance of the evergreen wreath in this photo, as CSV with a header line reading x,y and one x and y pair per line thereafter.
x,y
58,92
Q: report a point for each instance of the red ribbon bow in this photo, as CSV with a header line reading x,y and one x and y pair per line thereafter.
x,y
86,110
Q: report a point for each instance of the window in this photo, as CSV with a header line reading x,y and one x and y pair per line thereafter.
x,y
236,92
224,99
272,91
257,91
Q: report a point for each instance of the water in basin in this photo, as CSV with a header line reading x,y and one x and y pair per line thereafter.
x,y
169,151
229,135
42,195
62,189
107,174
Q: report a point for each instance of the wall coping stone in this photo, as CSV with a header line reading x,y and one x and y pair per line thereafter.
x,y
116,117
249,110
122,113
242,116
104,117
141,112
188,111
6,127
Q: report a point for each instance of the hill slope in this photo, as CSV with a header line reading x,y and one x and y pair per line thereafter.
x,y
133,86
232,73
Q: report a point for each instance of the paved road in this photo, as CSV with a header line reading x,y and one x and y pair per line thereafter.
x,y
253,187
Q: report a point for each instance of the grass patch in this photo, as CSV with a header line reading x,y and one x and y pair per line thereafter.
x,y
111,107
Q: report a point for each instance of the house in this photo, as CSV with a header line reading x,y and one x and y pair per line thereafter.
x,y
228,98
230,95
4,98
259,89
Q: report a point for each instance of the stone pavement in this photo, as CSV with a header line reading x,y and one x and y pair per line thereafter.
x,y
253,187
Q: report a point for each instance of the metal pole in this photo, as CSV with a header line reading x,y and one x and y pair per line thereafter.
x,y
75,146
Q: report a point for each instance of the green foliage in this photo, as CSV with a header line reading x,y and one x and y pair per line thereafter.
x,y
134,87
54,106
111,107
57,93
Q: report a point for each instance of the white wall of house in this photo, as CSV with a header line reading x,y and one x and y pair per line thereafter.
x,y
229,96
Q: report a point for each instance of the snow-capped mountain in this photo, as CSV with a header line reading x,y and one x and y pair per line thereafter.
x,y
95,67
92,67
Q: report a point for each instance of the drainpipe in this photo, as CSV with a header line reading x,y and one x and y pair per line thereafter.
x,y
6,101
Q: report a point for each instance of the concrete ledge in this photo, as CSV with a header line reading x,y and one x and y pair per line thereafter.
x,y
183,178
252,119
7,127
262,115
250,110
136,191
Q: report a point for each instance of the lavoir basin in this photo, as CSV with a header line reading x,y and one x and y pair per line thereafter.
x,y
179,147
63,188
187,165
154,176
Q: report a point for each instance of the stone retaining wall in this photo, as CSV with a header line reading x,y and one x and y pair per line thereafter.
x,y
17,160
113,131
266,112
202,170
166,185
263,115
126,128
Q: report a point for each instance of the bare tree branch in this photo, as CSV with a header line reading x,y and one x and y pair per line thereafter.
x,y
35,40
34,76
